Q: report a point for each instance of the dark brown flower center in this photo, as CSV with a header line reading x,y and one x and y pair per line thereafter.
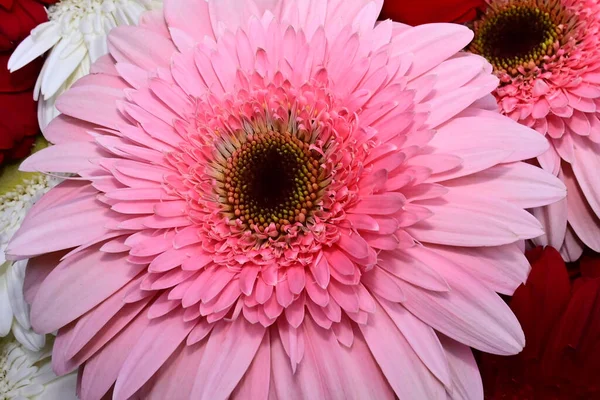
x,y
516,36
273,178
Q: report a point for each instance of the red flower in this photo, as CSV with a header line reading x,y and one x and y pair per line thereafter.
x,y
18,117
561,322
413,12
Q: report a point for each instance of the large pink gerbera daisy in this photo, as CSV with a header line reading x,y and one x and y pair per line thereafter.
x,y
547,56
285,203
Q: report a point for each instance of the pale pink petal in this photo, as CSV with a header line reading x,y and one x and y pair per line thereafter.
x,y
83,276
151,349
399,362
466,381
229,352
496,330
553,218
142,47
501,268
462,220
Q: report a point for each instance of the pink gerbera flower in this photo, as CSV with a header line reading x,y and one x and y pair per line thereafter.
x,y
285,203
547,56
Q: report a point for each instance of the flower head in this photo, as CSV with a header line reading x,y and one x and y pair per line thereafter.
x,y
286,201
547,56
559,317
25,374
74,37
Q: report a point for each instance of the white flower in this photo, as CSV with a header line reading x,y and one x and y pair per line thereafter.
x,y
76,37
25,374
14,311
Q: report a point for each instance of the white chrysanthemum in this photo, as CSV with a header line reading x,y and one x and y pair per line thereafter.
x,y
14,311
25,374
76,37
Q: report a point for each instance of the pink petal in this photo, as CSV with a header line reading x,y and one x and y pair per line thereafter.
x,y
431,44
141,47
422,338
411,270
76,285
398,361
191,17
470,313
255,383
466,381
151,349
229,352
521,184
461,220
101,371
501,268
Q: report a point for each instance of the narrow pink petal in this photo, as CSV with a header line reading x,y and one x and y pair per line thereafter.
x,y
554,221
353,244
320,270
71,157
293,341
229,352
467,220
180,14
255,383
586,163
572,247
488,131
431,44
38,269
422,339
339,261
412,271
101,370
95,104
470,313
64,129
405,372
92,322
141,47
501,268
582,218
383,284
78,284
151,349
382,204
173,380
466,381
522,184
62,365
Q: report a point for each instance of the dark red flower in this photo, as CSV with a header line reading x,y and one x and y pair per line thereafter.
x,y
18,117
418,12
561,321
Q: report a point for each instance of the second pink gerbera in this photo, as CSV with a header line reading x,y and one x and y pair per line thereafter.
x,y
547,56
289,203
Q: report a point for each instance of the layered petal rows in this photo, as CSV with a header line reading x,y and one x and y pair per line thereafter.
x,y
552,84
282,200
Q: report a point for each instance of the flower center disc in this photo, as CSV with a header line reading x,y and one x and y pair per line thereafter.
x,y
516,36
273,178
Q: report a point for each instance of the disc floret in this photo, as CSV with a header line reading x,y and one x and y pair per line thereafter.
x,y
272,178
518,37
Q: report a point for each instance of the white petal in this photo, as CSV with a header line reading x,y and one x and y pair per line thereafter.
x,y
62,62
6,314
63,388
15,275
33,47
28,338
